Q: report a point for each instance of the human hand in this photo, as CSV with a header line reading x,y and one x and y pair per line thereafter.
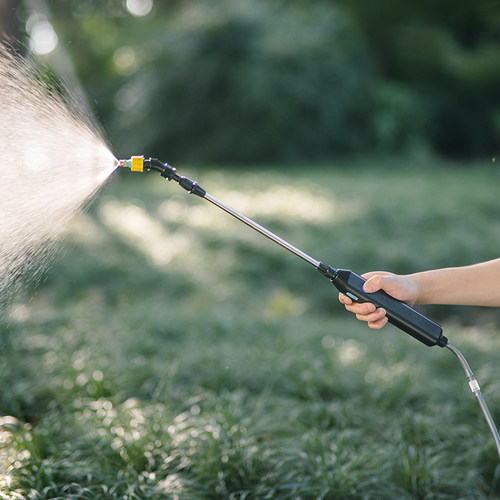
x,y
400,287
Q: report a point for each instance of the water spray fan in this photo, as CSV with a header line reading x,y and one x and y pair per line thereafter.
x,y
401,315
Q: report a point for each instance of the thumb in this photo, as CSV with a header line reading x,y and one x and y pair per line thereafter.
x,y
373,284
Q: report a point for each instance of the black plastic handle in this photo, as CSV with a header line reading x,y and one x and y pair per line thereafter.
x,y
399,314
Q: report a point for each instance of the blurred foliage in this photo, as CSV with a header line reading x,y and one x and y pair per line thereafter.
x,y
257,81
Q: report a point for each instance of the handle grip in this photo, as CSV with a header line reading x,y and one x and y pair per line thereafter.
x,y
399,314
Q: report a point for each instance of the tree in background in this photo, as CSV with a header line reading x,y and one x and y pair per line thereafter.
x,y
261,81
442,61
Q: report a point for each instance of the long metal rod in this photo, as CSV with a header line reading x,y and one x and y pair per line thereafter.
x,y
262,230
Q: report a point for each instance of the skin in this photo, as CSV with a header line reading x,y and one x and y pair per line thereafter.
x,y
475,285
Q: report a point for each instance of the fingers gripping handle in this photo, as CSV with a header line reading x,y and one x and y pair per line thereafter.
x,y
399,314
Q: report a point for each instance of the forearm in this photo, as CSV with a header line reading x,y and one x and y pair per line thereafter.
x,y
477,285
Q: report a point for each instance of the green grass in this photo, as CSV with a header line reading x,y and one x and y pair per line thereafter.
x,y
174,353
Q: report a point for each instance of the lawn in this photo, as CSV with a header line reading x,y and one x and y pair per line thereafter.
x,y
172,352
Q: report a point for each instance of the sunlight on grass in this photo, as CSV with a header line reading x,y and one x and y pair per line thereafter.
x,y
284,203
18,312
85,228
350,351
143,231
291,204
11,457
283,303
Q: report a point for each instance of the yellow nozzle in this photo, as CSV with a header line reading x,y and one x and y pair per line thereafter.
x,y
136,163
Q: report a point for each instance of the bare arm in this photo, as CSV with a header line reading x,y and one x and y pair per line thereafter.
x,y
477,285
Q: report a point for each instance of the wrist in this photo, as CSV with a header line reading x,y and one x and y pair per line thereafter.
x,y
417,287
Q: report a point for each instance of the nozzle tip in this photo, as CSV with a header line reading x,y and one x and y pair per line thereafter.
x,y
135,163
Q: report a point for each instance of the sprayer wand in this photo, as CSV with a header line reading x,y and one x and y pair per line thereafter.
x,y
346,281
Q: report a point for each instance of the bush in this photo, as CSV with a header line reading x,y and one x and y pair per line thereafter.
x,y
252,83
239,81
